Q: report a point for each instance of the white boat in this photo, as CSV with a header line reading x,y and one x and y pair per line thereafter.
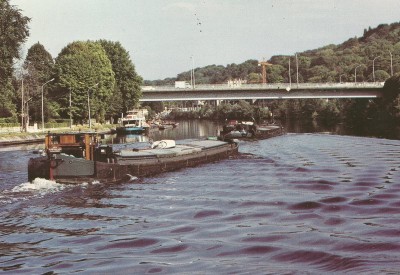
x,y
134,122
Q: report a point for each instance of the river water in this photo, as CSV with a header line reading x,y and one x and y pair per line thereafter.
x,y
302,203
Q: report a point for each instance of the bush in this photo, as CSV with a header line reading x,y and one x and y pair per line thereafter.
x,y
8,120
8,125
55,125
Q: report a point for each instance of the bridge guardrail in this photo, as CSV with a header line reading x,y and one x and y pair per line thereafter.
x,y
267,86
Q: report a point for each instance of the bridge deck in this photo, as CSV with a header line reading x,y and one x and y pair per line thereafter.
x,y
263,91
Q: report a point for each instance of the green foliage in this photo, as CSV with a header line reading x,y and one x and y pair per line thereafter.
x,y
83,68
392,87
325,64
275,74
52,109
127,90
391,98
7,99
8,120
241,110
380,76
8,125
38,67
214,74
253,78
39,64
56,125
13,32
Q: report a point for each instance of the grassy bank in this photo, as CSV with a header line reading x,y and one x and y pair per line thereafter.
x,y
9,136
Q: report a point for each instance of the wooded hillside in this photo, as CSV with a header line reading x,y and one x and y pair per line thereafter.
x,y
331,63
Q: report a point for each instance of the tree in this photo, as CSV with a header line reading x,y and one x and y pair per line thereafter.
x,y
253,78
13,32
39,63
7,107
127,91
275,74
380,76
39,66
84,70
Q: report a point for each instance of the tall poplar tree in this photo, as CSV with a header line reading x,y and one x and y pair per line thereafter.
x,y
39,67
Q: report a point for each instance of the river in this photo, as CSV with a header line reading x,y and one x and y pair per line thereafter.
x,y
311,203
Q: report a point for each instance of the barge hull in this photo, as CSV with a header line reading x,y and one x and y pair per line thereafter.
x,y
70,170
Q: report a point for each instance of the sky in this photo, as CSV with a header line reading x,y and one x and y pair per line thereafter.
x,y
167,37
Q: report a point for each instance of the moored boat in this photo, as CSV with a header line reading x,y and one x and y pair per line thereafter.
x,y
167,125
80,157
249,130
133,123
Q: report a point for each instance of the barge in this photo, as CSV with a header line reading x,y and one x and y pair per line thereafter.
x,y
75,158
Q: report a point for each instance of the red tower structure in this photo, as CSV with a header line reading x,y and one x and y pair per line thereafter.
x,y
264,65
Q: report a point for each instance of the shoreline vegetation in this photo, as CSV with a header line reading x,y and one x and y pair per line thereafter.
x,y
376,113
10,138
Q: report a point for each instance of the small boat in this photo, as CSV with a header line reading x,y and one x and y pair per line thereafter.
x,y
167,125
133,123
80,157
249,130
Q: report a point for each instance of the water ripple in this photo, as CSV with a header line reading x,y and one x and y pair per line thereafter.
x,y
295,204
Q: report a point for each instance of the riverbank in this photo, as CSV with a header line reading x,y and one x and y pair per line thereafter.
x,y
15,138
20,138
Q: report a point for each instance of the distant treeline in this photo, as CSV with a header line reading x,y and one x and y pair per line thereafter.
x,y
332,63
385,109
374,57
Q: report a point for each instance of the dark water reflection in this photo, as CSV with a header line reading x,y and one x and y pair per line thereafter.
x,y
371,128
299,203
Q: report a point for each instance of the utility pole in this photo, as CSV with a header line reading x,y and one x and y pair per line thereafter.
x,y
340,78
43,103
290,76
373,67
297,71
70,110
88,103
194,79
22,106
355,73
191,73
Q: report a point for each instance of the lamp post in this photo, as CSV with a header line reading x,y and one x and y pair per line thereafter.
x,y
391,63
355,73
193,79
373,67
340,78
88,103
70,109
297,70
191,74
42,103
22,106
290,77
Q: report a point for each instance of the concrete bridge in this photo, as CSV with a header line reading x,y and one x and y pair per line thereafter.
x,y
263,91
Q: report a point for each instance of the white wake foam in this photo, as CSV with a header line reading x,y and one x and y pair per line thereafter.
x,y
40,185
